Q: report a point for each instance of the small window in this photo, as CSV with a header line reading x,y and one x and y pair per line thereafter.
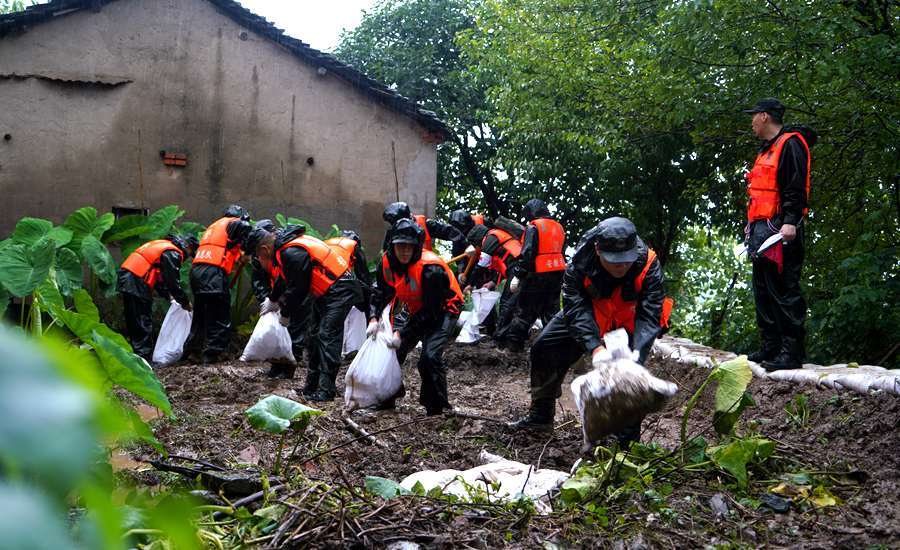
x,y
119,211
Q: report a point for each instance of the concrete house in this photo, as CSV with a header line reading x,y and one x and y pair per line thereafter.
x,y
136,104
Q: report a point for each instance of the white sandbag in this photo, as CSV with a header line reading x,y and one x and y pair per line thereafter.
x,y
175,329
354,331
888,383
618,393
374,375
270,340
463,318
483,301
514,479
796,376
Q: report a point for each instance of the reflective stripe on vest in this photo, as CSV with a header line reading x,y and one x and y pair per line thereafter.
x,y
347,244
551,238
616,312
422,222
408,286
764,200
329,262
144,262
213,246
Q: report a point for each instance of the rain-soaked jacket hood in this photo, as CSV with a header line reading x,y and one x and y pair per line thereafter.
x,y
236,211
534,209
476,235
396,211
462,220
405,231
350,234
809,135
187,244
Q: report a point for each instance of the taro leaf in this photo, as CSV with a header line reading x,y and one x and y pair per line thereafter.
x,y
575,490
4,300
68,271
724,422
60,236
99,259
132,225
695,450
734,457
130,372
143,432
385,488
161,221
22,268
276,415
30,230
733,377
49,297
84,222
191,228
83,326
84,305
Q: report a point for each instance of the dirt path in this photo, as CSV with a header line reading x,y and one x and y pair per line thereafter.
x,y
841,431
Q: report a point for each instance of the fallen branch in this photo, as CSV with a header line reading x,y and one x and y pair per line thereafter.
x,y
472,416
358,430
249,499
383,430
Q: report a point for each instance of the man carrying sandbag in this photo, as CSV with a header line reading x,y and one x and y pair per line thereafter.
x,y
537,276
310,267
155,265
218,255
424,283
613,281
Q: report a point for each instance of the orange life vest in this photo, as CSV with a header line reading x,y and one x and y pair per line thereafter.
x,y
616,312
762,181
213,246
408,286
347,244
330,262
478,219
551,238
509,246
422,222
144,262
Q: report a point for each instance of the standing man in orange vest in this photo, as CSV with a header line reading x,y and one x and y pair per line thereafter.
x,y
537,276
613,281
420,280
155,265
217,256
505,252
778,189
309,266
433,229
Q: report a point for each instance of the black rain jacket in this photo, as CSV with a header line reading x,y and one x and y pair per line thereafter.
x,y
791,174
169,283
211,279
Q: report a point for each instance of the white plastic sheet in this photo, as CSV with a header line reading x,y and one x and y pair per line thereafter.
x,y
270,340
354,331
483,301
374,375
175,329
618,393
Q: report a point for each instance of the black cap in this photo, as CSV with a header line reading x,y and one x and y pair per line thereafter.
x,y
617,240
406,231
768,105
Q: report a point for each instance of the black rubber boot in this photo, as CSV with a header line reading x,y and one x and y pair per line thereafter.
x,y
321,395
783,361
539,417
284,371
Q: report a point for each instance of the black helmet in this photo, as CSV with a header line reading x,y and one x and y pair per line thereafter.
x,y
236,211
350,234
476,235
187,244
265,224
462,220
396,211
406,231
254,238
535,208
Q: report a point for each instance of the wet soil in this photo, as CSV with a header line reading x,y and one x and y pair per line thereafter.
x,y
843,431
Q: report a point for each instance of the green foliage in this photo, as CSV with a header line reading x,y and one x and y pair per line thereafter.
x,y
23,268
732,378
385,488
276,415
736,455
84,222
9,6
99,259
798,410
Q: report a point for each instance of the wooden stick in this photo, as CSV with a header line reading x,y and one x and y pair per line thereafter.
x,y
458,258
471,264
358,430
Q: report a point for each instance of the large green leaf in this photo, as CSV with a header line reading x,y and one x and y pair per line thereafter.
x,y
734,457
48,296
733,377
84,304
4,300
161,222
22,268
59,235
99,259
130,372
30,230
276,415
724,422
84,222
25,508
83,326
132,225
68,271
385,488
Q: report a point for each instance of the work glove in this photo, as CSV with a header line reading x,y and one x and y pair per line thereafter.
x,y
285,321
600,357
395,341
514,285
462,279
268,306
372,329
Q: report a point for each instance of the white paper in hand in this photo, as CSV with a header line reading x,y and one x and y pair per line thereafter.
x,y
354,331
618,393
270,340
374,375
175,329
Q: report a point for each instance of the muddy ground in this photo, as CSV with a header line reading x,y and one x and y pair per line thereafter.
x,y
843,431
